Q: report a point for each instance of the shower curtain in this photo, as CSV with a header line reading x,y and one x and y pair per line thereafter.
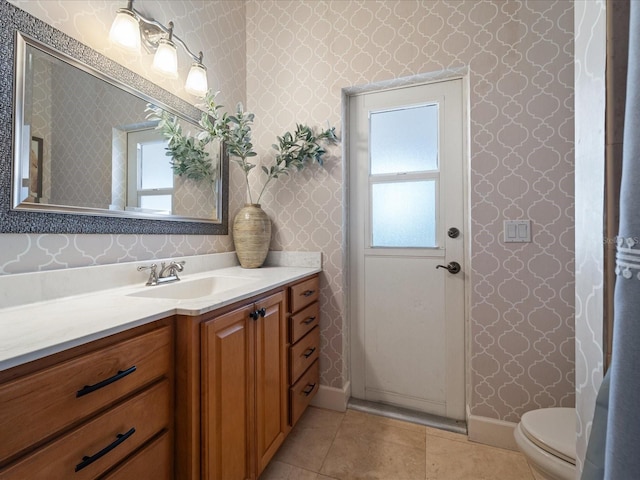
x,y
622,458
613,452
618,429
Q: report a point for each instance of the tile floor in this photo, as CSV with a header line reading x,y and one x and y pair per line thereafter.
x,y
327,445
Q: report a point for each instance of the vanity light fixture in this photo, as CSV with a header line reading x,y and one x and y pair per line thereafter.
x,y
130,29
125,30
165,60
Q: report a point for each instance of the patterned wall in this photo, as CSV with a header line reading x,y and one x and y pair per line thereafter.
x,y
215,26
301,54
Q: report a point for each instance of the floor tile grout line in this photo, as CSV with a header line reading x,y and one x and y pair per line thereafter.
x,y
426,437
533,475
344,414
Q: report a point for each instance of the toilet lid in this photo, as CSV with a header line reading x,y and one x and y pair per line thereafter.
x,y
553,430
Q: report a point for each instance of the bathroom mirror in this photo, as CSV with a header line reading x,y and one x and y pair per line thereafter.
x,y
84,157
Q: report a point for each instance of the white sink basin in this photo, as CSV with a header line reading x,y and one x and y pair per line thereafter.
x,y
191,289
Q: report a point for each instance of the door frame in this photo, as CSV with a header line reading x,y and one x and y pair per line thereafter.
x,y
348,278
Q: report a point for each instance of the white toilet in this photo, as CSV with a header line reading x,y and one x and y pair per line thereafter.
x,y
547,438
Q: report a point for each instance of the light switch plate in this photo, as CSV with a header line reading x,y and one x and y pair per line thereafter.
x,y
517,231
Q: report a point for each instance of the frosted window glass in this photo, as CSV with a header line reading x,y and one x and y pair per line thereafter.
x,y
155,169
404,214
404,140
156,202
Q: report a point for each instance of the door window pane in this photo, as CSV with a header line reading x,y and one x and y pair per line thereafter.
x,y
403,214
404,140
155,169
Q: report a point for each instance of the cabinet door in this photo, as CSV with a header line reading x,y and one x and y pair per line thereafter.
x,y
227,402
271,380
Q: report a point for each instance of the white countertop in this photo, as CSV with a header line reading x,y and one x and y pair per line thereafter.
x,y
35,329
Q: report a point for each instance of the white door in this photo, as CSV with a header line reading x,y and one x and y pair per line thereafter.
x,y
406,193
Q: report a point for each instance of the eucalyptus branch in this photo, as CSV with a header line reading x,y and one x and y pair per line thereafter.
x,y
297,150
293,150
239,142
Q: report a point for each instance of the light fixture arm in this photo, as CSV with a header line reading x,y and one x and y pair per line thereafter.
x,y
150,28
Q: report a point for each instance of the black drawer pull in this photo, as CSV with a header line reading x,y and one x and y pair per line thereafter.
x,y
262,312
86,461
307,391
92,388
308,293
308,320
309,352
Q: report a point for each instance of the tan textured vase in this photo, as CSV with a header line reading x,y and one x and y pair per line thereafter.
x,y
252,235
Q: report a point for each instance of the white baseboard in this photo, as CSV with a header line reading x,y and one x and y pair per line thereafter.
x,y
332,398
490,431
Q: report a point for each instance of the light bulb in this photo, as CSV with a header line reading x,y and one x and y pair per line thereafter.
x,y
166,58
196,83
125,30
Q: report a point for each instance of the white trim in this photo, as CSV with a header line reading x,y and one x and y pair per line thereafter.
x,y
490,431
468,225
332,398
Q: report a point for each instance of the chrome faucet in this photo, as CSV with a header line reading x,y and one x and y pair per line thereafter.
x,y
168,273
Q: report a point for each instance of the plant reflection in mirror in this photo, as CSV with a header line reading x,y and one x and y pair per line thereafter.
x,y
293,152
188,155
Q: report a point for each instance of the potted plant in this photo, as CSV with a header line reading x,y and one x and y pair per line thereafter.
x,y
293,152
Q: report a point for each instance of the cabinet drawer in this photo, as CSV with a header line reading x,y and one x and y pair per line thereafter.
x,y
38,405
153,461
303,354
303,391
302,322
124,428
303,294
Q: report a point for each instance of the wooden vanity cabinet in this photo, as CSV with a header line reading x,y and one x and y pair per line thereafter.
x,y
91,410
238,378
304,345
244,375
209,397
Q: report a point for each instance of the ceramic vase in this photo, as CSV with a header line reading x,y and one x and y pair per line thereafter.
x,y
251,235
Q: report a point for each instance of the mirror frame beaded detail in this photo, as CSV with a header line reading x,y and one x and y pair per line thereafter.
x,y
13,19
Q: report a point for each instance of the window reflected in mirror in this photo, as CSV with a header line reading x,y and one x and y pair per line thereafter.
x,y
150,177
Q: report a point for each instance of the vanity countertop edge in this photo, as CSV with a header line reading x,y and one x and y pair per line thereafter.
x,y
37,330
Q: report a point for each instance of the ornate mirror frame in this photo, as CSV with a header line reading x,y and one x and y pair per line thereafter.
x,y
13,20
